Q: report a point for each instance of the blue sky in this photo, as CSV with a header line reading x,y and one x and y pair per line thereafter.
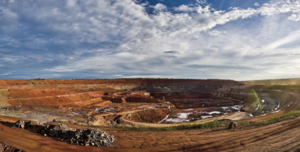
x,y
225,39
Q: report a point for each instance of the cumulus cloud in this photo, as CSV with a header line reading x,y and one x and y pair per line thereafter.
x,y
256,4
103,38
160,7
215,32
184,8
294,17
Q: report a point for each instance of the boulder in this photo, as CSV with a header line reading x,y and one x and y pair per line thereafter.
x,y
19,124
123,100
233,125
32,124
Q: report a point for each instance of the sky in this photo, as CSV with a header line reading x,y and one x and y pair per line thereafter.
x,y
195,39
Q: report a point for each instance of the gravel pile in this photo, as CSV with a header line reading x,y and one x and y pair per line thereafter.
x,y
93,137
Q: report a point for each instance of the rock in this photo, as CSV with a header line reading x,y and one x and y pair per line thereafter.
x,y
19,124
22,124
7,148
123,100
54,120
233,125
94,137
32,124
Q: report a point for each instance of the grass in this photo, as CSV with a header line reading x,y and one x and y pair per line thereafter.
x,y
275,119
216,124
297,149
4,95
63,122
207,125
35,82
254,102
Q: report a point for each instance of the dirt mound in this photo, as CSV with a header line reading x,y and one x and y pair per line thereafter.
x,y
153,116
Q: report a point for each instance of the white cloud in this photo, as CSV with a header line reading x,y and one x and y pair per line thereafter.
x,y
120,37
256,4
8,18
184,8
215,32
201,1
160,7
294,17
6,73
295,35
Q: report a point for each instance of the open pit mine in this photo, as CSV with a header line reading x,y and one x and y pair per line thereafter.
x,y
149,115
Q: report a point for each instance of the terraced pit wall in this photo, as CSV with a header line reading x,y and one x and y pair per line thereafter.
x,y
57,92
284,98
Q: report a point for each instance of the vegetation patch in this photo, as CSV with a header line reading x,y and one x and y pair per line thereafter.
x,y
206,125
4,95
216,124
254,102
